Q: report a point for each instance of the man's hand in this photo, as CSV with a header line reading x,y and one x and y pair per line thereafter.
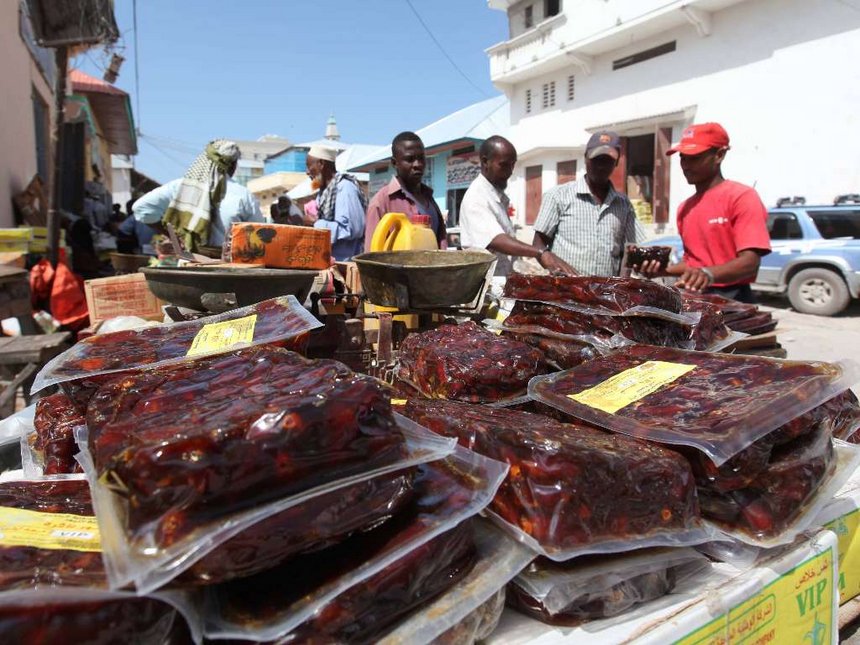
x,y
554,264
650,269
695,279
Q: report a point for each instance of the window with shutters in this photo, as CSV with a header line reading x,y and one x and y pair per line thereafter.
x,y
529,17
571,87
548,95
528,101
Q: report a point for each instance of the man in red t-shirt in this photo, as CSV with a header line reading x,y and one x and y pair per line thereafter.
x,y
723,226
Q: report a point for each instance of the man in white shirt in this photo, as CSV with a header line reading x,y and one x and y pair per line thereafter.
x,y
237,205
484,219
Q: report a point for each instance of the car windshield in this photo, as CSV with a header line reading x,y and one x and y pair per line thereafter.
x,y
842,223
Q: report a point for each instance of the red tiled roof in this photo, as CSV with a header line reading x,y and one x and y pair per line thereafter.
x,y
82,82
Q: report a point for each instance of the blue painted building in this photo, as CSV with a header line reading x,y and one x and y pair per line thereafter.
x,y
451,145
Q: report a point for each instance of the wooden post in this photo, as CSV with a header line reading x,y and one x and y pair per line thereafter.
x,y
61,57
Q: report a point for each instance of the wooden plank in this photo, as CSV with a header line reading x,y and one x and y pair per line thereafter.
x,y
8,394
768,339
33,349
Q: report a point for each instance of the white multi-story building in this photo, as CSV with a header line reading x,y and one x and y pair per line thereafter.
x,y
780,75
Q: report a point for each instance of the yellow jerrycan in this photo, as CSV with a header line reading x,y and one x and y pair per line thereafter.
x,y
395,232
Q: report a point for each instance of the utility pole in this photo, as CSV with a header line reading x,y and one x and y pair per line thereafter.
x,y
61,57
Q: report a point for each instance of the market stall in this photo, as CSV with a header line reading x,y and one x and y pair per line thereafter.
x,y
572,458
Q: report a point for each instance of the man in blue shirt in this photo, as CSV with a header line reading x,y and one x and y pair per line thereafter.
x,y
235,204
341,203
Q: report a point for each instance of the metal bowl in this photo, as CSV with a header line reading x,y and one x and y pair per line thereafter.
x,y
190,286
423,279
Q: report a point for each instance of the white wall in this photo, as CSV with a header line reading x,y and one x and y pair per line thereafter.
x,y
778,74
20,79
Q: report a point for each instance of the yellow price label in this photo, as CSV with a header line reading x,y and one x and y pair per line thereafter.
x,y
22,527
398,401
223,335
631,385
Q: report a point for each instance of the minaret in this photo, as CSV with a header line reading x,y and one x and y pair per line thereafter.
x,y
331,132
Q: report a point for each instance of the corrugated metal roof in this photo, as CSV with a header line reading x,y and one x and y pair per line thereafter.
x,y
477,121
112,110
83,82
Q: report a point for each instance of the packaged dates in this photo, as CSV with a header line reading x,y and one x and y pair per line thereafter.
x,y
779,493
562,353
597,587
309,592
366,611
470,611
468,363
48,561
54,441
176,456
613,294
717,403
638,255
573,489
102,357
597,328
303,528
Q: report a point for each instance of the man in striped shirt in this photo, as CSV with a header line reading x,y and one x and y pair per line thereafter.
x,y
587,223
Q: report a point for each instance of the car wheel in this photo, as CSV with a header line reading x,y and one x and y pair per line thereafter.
x,y
818,291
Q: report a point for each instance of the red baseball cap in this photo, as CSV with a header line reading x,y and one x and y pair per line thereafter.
x,y
701,137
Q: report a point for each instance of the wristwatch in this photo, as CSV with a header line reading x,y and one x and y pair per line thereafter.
x,y
708,273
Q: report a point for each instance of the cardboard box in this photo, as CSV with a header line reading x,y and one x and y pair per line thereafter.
x,y
351,277
842,516
122,295
281,246
14,259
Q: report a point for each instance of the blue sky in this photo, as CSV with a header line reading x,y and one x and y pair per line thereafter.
x,y
241,69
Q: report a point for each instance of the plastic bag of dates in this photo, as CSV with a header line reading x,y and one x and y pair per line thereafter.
x,y
468,363
95,360
184,457
52,582
717,403
616,295
470,611
784,500
573,489
593,588
357,589
601,328
51,448
561,353
638,255
845,410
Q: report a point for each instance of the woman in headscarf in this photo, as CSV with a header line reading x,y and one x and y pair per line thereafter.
x,y
203,205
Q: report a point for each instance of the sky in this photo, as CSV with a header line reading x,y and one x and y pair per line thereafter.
x,y
241,69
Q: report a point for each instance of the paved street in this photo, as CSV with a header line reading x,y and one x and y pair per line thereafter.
x,y
808,337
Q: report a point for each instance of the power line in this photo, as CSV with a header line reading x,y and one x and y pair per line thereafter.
x,y
136,67
442,49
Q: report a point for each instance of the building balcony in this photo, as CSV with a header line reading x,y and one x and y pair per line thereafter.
x,y
571,40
